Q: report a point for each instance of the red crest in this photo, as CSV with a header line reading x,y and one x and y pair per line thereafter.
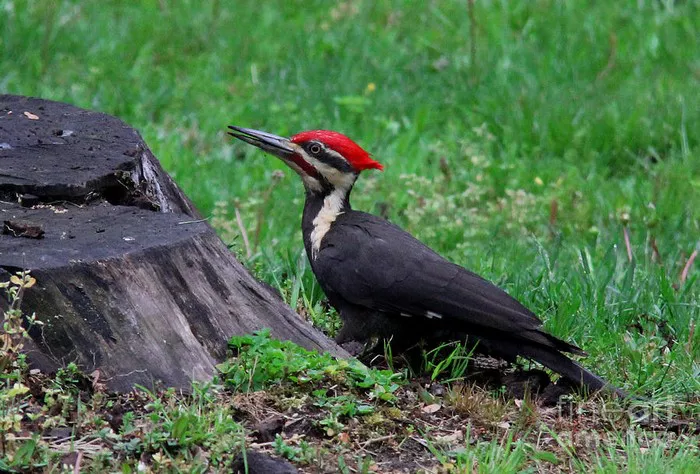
x,y
356,156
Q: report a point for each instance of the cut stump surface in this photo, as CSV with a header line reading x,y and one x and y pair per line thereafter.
x,y
130,280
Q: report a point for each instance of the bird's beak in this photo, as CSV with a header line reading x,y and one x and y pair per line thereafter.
x,y
278,146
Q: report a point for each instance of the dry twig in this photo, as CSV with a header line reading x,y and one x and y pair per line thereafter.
x,y
78,461
472,36
612,59
657,254
244,233
688,264
627,244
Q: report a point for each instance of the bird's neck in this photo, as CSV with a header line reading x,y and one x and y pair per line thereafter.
x,y
321,209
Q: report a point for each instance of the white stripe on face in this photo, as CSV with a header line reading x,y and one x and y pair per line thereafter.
x,y
336,177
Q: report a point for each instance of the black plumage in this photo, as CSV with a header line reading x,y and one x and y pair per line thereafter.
x,y
386,283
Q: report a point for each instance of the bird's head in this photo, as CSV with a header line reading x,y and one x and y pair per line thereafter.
x,y
325,160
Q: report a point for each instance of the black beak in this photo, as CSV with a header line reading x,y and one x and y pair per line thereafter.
x,y
278,146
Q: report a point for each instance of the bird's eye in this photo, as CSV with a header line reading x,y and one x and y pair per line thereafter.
x,y
315,149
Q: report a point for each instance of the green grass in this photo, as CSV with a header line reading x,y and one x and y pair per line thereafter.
x,y
587,107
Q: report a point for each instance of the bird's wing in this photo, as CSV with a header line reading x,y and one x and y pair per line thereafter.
x,y
375,264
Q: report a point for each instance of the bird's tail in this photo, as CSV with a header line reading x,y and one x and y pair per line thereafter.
x,y
561,364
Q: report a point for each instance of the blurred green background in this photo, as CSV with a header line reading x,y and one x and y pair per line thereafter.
x,y
519,141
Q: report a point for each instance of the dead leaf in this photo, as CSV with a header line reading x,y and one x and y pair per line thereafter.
x,y
432,408
96,384
31,116
450,438
20,228
344,437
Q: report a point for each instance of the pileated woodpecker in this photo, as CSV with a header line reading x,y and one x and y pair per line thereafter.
x,y
386,283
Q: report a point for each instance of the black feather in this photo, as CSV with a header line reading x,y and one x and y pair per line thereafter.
x,y
386,283
376,274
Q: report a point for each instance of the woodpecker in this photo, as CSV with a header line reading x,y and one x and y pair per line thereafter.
x,y
385,283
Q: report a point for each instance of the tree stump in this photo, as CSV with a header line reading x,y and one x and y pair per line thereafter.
x,y
130,279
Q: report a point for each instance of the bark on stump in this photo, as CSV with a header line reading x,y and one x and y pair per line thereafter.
x,y
130,280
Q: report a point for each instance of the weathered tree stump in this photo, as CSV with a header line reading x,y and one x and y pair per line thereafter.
x,y
130,279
